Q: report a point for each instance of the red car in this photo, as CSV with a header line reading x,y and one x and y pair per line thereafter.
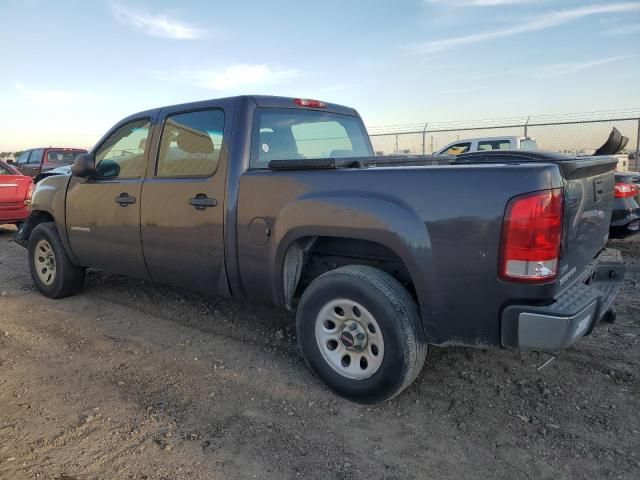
x,y
37,161
15,195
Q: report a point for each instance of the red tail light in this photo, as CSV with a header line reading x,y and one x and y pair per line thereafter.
x,y
305,102
27,198
531,235
623,190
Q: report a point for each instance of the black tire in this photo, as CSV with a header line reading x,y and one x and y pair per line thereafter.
x,y
67,278
395,312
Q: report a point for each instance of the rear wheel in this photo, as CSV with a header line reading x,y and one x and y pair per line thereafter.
x,y
360,332
51,270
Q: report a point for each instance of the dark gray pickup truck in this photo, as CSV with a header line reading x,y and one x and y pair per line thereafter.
x,y
281,200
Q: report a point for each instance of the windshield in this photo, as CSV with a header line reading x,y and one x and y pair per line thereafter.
x,y
62,157
290,134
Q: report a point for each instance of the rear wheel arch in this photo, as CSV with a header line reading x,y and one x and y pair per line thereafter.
x,y
306,258
346,217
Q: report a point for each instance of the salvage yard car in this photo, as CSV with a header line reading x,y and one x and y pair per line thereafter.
x,y
625,219
15,195
37,162
282,200
488,143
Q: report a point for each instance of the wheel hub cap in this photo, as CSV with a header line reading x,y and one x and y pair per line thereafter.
x,y
354,336
349,339
45,262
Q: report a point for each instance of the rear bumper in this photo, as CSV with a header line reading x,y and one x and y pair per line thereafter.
x,y
575,312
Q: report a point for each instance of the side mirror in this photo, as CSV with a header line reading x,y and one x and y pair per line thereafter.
x,y
83,166
107,169
10,162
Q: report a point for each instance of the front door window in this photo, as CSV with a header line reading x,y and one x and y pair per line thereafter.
x,y
122,154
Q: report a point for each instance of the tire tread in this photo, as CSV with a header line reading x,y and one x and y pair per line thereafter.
x,y
71,276
407,313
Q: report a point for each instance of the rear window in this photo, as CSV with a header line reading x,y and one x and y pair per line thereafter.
x,y
6,169
61,157
494,145
290,134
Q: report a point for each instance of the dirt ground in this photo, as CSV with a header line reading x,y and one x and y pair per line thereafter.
x,y
133,380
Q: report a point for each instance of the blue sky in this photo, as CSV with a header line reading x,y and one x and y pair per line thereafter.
x,y
70,69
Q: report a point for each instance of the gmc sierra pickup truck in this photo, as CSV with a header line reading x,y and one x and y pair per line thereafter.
x,y
281,200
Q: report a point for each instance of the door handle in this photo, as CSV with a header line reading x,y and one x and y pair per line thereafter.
x,y
201,201
125,199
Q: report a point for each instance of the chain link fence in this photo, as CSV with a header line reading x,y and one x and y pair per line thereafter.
x,y
571,133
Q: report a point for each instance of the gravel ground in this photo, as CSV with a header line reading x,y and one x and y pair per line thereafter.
x,y
133,380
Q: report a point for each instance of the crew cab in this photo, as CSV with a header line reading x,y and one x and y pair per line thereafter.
x,y
488,143
282,200
37,162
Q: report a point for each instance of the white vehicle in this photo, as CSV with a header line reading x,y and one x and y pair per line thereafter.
x,y
488,143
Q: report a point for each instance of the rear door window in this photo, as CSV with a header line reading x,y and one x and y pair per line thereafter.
x,y
36,156
191,144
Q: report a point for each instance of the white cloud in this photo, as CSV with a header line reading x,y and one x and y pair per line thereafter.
x,y
619,30
156,25
232,78
560,69
537,72
52,98
549,20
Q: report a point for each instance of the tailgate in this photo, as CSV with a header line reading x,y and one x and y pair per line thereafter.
x,y
589,190
13,188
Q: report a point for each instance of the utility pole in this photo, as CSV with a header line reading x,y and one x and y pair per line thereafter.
x,y
424,139
637,145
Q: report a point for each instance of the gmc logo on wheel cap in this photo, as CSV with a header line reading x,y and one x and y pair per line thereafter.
x,y
347,339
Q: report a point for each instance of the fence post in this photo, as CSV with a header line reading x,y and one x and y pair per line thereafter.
x,y
526,127
637,145
424,139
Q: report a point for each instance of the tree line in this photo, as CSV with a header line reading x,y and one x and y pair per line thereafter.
x,y
4,155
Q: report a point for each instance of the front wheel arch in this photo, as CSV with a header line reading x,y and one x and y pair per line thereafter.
x,y
35,218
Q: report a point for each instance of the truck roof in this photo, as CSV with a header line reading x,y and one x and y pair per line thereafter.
x,y
73,149
267,101
489,139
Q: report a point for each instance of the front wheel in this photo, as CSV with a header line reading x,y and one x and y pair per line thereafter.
x,y
360,332
51,270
